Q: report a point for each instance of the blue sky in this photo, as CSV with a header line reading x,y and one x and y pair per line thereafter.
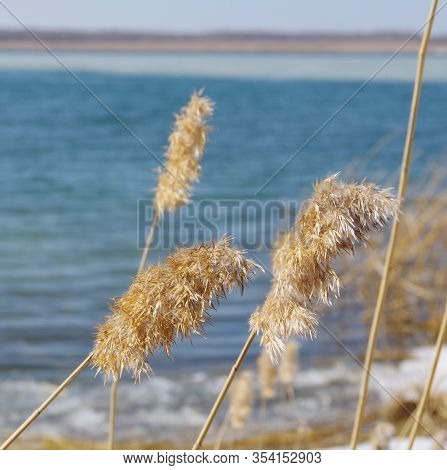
x,y
212,15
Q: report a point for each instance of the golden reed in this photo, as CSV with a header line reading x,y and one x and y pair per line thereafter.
x,y
186,147
165,302
182,167
338,216
182,161
185,150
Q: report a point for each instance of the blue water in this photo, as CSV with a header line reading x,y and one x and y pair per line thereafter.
x,y
71,176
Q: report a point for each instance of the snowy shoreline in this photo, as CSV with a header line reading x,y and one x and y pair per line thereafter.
x,y
168,408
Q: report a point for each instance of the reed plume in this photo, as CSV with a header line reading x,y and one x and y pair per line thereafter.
x,y
241,400
334,220
182,168
118,336
186,146
182,164
267,375
167,301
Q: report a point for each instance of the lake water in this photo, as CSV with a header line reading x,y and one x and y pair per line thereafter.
x,y
72,173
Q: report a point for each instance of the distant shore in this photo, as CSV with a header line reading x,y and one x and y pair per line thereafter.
x,y
216,42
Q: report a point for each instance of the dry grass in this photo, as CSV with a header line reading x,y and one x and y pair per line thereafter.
x,y
333,220
418,276
435,415
168,301
186,146
338,216
319,437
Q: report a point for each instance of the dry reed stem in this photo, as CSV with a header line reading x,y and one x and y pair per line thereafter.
x,y
442,335
223,392
39,410
403,181
114,387
413,308
221,432
149,240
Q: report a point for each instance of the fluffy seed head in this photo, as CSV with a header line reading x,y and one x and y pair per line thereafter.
x,y
267,375
186,146
241,400
166,302
337,217
281,316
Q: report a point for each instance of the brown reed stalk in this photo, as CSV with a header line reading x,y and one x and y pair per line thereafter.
x,y
149,240
182,167
403,181
164,302
337,217
229,380
405,427
241,405
442,335
39,410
